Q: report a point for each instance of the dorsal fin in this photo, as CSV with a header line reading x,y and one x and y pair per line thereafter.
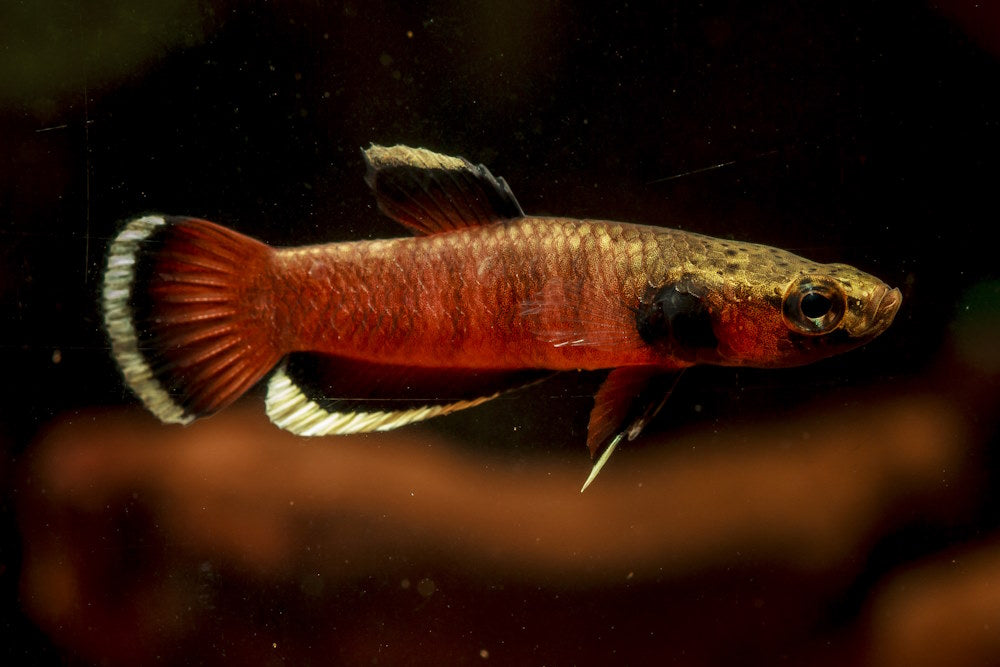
x,y
430,193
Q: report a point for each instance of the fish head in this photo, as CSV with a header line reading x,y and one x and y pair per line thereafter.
x,y
741,304
793,311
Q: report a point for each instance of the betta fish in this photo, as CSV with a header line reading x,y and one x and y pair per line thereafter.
x,y
481,300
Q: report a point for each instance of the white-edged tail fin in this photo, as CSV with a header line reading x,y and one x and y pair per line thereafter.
x,y
187,308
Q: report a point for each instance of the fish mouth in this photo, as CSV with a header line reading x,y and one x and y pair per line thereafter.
x,y
883,310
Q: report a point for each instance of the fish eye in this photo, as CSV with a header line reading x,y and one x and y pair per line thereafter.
x,y
813,305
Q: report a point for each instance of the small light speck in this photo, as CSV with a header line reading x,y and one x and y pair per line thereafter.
x,y
409,34
404,584
484,654
274,644
56,356
426,587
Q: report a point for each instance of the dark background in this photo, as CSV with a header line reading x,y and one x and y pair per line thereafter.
x,y
861,132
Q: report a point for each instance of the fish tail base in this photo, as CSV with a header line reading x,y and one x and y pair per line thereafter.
x,y
188,313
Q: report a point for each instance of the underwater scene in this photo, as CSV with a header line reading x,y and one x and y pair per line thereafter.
x,y
517,333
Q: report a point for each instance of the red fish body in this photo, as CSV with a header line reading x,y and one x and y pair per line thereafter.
x,y
493,297
372,335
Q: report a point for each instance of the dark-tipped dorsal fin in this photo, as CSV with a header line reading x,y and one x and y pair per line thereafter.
x,y
430,193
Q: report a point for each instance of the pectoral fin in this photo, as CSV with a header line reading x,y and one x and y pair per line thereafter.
x,y
577,313
628,399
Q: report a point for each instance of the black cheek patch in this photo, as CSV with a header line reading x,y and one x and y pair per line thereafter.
x,y
677,318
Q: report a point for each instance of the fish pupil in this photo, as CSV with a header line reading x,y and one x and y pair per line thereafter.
x,y
814,305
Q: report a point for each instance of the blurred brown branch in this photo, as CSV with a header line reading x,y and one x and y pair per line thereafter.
x,y
140,537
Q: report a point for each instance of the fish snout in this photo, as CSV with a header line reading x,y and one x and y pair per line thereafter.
x,y
884,305
890,303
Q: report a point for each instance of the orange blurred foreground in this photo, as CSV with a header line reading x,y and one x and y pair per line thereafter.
x,y
233,542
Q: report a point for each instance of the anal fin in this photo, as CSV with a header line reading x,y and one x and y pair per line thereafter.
x,y
317,394
627,401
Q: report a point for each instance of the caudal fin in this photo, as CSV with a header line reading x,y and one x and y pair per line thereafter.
x,y
187,308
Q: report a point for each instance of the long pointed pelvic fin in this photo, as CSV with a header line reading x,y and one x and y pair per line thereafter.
x,y
627,401
602,459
